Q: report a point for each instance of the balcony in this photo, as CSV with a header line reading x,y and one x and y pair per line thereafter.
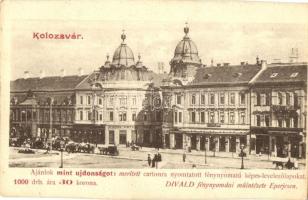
x,y
283,108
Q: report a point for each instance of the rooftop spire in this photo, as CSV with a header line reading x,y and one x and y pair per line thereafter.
x,y
186,28
107,56
123,36
139,56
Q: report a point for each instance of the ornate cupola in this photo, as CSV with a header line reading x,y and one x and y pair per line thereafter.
x,y
185,56
123,55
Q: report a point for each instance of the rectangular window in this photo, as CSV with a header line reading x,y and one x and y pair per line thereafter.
x,y
123,101
81,115
232,98
122,116
222,117
89,115
81,99
193,117
111,116
175,117
122,137
145,117
134,100
288,123
212,117
222,98
212,99
287,99
279,122
193,99
100,101
158,116
180,117
242,117
202,117
111,137
267,120
258,99
258,120
279,98
232,118
202,99
100,117
268,99
134,117
242,98
111,101
89,100
295,100
178,99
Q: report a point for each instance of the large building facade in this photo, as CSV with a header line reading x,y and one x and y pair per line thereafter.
x,y
214,108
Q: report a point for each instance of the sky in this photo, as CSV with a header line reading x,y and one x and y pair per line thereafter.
x,y
224,32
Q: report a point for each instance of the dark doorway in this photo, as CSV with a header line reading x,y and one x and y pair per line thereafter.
x,y
232,147
262,142
193,140
222,143
202,143
122,137
178,139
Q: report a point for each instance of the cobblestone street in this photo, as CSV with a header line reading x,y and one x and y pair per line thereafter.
x,y
134,159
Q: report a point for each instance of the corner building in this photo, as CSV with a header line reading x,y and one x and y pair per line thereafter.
x,y
206,108
116,104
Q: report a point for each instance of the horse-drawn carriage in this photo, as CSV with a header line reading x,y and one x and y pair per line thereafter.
x,y
86,148
109,150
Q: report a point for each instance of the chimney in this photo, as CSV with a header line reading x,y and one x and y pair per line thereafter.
x,y
218,64
226,64
26,74
257,60
242,63
80,70
42,74
63,72
263,64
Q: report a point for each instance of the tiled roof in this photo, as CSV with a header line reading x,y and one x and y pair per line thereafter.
x,y
283,74
48,83
225,75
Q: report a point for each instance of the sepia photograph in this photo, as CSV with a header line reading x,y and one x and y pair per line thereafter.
x,y
196,94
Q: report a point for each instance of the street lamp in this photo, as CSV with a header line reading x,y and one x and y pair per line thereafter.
x,y
205,150
242,155
62,144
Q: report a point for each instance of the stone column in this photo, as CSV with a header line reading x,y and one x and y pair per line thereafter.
x,y
198,138
275,147
171,135
227,143
217,144
248,143
238,149
116,137
270,145
106,135
207,143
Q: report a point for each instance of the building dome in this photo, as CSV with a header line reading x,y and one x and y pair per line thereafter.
x,y
186,50
123,55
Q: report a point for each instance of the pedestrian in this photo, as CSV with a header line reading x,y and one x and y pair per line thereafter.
x,y
154,161
159,159
149,160
184,156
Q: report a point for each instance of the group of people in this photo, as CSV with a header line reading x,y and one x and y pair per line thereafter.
x,y
153,162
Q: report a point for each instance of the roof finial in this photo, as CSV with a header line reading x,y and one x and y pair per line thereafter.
x,y
186,28
107,56
123,36
139,56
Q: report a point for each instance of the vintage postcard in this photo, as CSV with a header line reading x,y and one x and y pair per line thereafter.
x,y
154,99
